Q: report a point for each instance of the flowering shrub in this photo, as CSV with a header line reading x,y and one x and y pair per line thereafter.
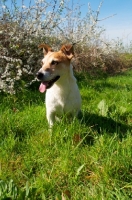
x,y
54,22
19,60
20,33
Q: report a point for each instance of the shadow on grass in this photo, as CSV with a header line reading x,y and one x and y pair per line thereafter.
x,y
103,125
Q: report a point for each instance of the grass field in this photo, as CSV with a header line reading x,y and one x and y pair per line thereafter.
x,y
86,159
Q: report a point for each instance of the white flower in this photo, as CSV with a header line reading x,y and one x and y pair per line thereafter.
x,y
23,6
3,6
19,72
17,78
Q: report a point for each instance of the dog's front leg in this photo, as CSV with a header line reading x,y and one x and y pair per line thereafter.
x,y
50,118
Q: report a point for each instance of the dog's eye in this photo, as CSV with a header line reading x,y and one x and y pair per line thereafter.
x,y
54,62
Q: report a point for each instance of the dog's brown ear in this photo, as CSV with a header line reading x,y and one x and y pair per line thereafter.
x,y
46,48
68,50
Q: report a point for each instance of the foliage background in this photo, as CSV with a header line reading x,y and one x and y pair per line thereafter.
x,y
23,28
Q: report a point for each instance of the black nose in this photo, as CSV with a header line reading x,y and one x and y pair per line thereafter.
x,y
40,75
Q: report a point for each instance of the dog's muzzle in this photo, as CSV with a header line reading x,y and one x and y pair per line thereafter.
x,y
45,84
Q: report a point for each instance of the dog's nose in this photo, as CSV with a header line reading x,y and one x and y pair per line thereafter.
x,y
40,75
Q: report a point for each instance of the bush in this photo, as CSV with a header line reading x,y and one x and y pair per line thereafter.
x,y
22,29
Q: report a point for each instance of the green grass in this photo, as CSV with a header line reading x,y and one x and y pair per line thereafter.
x,y
86,159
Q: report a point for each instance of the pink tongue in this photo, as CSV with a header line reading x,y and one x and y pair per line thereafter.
x,y
42,87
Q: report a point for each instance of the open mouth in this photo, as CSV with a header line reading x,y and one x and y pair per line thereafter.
x,y
47,84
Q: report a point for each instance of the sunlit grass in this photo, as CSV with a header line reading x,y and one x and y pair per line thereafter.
x,y
89,158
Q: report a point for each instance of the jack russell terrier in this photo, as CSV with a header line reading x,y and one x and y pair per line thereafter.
x,y
57,79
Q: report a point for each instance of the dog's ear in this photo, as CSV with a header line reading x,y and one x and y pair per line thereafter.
x,y
46,48
68,50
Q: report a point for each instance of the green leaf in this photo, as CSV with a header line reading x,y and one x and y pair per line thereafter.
x,y
103,108
79,169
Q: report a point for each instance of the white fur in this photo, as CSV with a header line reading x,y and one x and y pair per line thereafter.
x,y
63,97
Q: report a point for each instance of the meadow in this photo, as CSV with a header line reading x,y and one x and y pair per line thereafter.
x,y
89,158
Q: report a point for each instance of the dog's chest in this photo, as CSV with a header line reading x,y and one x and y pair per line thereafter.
x,y
63,100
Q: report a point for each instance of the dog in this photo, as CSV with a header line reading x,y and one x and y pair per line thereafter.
x,y
57,79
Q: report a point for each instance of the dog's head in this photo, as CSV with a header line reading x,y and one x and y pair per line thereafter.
x,y
54,65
